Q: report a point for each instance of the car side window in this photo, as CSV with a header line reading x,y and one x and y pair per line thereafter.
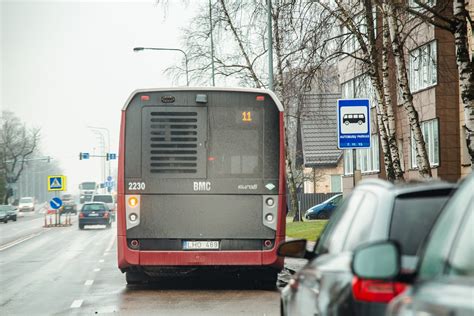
x,y
462,259
444,232
336,237
360,226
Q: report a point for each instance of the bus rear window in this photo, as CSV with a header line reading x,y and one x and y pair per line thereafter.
x,y
235,142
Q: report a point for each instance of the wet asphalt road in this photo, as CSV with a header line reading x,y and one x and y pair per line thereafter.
x,y
65,271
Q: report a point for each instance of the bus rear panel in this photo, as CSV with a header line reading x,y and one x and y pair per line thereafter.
x,y
201,180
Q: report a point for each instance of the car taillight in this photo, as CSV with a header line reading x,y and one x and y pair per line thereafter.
x,y
376,291
81,215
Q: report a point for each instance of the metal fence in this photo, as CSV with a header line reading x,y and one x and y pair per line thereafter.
x,y
308,200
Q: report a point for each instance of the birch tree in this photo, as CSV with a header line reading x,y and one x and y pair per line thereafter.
x,y
453,16
17,143
358,18
392,16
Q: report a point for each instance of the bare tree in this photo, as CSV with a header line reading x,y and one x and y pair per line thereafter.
x,y
17,144
241,25
357,17
392,15
453,16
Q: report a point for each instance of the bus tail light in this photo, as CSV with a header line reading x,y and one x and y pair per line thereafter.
x,y
132,210
270,211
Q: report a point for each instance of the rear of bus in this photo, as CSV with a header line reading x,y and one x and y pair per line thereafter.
x,y
201,181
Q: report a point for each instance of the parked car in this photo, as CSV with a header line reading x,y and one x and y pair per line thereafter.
x,y
12,212
69,205
325,209
107,199
95,213
443,283
376,210
26,204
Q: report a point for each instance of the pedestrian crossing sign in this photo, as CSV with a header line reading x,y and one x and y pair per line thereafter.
x,y
56,183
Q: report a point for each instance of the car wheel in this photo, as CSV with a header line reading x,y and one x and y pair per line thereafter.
x,y
81,226
322,215
14,219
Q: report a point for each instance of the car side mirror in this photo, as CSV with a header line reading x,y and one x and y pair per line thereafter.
x,y
294,249
379,261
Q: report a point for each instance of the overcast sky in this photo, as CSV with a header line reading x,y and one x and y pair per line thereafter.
x,y
67,65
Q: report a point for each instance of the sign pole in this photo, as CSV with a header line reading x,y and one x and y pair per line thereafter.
x,y
354,167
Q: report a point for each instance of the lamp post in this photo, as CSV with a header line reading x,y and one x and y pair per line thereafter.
x,y
137,49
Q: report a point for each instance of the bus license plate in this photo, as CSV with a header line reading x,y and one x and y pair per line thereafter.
x,y
192,245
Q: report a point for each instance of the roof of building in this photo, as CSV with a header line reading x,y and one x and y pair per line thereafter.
x,y
319,130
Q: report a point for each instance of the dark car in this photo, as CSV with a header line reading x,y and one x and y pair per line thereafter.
x,y
95,213
12,212
69,205
3,216
443,283
325,209
376,210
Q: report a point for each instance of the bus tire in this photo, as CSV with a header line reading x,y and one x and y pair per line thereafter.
x,y
135,278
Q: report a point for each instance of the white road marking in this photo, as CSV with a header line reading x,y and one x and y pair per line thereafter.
x,y
18,241
96,270
89,282
77,303
101,260
112,241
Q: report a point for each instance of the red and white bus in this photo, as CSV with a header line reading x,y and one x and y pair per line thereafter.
x,y
201,182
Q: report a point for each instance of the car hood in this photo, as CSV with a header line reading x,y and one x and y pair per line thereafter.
x,y
316,208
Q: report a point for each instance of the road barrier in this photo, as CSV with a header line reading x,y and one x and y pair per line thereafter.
x,y
53,218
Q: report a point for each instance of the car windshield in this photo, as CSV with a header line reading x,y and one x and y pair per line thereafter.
x,y
103,198
93,207
2,212
5,208
26,200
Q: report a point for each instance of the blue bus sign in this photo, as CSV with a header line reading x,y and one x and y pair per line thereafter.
x,y
353,123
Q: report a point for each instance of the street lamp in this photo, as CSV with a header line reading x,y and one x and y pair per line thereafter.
x,y
137,49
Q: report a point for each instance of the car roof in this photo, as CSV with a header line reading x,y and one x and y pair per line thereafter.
x,y
406,188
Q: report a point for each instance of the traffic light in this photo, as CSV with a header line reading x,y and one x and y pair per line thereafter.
x,y
80,156
107,156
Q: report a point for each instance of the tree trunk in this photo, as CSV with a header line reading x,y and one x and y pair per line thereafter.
x,y
391,126
466,72
402,77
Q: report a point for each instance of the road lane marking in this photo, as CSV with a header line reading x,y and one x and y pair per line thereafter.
x,y
77,303
18,241
89,282
112,241
101,260
96,270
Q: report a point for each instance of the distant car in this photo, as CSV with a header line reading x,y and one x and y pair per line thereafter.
x,y
444,281
95,213
12,211
107,199
376,210
69,205
3,216
325,209
26,204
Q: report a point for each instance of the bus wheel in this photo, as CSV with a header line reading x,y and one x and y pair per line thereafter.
x,y
135,278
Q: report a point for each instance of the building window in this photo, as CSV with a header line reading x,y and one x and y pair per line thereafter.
x,y
367,158
359,87
423,67
431,137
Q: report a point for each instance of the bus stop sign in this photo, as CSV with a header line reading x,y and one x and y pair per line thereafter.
x,y
353,123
